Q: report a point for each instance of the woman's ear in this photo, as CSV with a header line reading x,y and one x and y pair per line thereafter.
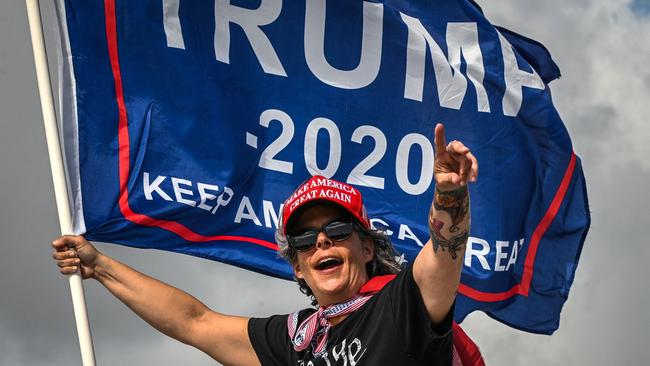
x,y
296,270
368,249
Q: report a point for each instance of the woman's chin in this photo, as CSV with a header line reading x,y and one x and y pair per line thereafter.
x,y
334,290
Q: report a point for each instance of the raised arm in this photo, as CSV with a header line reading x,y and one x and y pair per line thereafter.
x,y
438,267
168,309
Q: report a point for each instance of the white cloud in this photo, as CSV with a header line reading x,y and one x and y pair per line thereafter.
x,y
602,48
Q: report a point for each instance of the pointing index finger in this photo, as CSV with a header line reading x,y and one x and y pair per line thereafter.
x,y
439,139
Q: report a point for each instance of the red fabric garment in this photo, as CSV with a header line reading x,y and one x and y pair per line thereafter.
x,y
466,352
375,284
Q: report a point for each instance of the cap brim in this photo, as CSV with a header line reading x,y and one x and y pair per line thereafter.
x,y
300,210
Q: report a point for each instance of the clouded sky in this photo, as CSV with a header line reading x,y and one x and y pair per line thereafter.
x,y
602,48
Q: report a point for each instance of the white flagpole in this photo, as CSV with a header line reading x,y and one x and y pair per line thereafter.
x,y
58,175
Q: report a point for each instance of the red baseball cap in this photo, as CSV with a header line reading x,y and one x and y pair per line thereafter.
x,y
319,188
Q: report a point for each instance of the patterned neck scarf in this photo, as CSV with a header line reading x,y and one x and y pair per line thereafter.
x,y
315,329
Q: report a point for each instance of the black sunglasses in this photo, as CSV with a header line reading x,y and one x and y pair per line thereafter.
x,y
335,230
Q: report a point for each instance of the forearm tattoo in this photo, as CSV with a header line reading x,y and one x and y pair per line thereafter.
x,y
456,204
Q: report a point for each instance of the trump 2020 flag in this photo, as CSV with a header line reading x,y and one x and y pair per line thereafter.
x,y
187,123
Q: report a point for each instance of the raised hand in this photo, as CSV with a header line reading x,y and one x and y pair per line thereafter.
x,y
437,269
72,252
454,164
454,167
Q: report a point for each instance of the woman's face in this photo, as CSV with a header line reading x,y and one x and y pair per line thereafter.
x,y
334,270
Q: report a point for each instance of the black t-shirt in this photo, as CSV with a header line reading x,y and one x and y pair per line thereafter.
x,y
392,328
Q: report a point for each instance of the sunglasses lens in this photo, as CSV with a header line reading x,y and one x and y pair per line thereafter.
x,y
338,231
335,230
303,241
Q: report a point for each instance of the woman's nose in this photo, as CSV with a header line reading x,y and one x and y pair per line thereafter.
x,y
323,241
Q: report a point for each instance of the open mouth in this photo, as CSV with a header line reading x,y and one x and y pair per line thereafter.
x,y
328,263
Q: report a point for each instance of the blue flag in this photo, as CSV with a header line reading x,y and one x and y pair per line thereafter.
x,y
186,124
